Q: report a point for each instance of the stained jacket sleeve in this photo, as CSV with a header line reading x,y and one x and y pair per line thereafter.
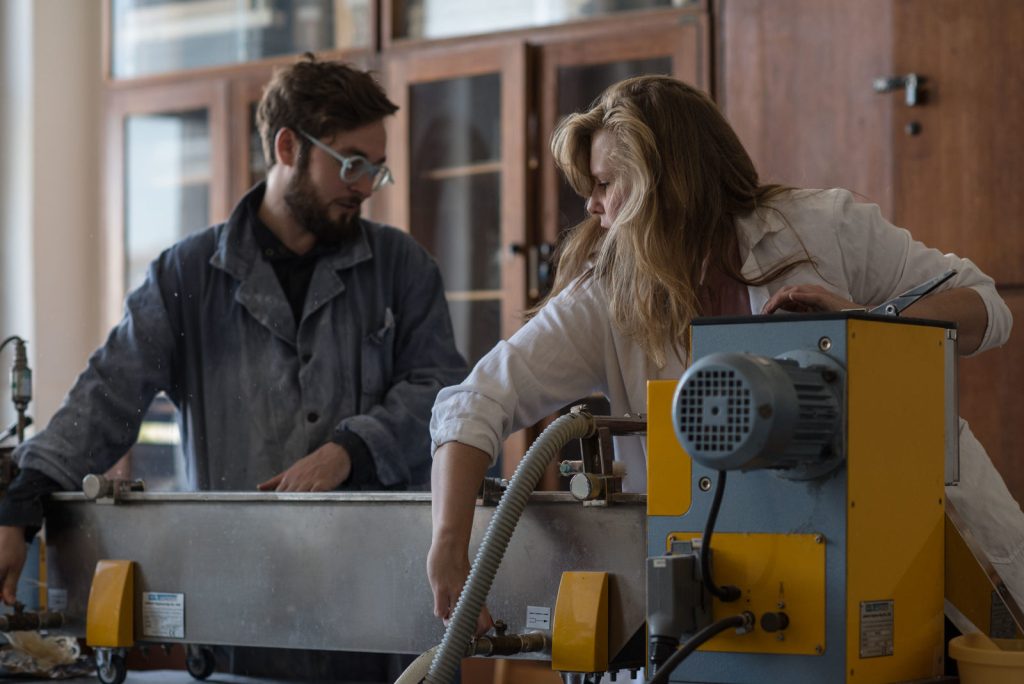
x,y
883,261
100,417
423,360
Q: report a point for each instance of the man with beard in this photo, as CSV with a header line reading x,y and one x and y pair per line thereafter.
x,y
302,344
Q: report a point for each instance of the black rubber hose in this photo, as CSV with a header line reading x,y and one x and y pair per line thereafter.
x,y
696,641
728,593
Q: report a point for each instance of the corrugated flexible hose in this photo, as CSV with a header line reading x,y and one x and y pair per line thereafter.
x,y
460,629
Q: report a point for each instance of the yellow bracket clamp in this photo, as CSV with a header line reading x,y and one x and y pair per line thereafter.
x,y
110,617
579,642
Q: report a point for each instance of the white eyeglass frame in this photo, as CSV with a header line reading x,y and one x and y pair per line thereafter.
x,y
379,173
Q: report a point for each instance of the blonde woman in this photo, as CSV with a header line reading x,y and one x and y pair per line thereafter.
x,y
679,227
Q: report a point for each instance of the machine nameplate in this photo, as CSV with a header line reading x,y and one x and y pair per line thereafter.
x,y
163,615
876,629
538,617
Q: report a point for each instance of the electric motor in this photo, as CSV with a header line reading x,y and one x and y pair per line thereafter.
x,y
734,411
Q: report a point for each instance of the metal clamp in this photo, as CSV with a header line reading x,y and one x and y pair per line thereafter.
x,y
597,477
896,305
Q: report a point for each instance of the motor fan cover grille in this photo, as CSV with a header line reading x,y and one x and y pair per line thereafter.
x,y
715,410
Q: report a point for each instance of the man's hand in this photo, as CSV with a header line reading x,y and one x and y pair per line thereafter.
x,y
12,559
321,471
806,298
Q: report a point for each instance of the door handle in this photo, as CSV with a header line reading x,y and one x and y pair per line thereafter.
x,y
911,83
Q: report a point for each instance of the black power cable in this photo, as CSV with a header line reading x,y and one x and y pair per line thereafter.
x,y
743,621
727,593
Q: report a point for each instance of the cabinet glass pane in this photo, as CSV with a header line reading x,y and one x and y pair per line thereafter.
x,y
157,36
578,86
167,184
455,198
441,18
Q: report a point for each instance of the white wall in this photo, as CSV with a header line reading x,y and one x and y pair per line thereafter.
x,y
50,184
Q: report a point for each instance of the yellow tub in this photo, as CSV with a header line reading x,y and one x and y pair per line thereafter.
x,y
988,661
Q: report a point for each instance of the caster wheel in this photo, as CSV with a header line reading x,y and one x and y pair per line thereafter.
x,y
112,670
200,662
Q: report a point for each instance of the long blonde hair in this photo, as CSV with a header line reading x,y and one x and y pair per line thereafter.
x,y
685,178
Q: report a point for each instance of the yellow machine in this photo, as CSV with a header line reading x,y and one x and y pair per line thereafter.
x,y
825,547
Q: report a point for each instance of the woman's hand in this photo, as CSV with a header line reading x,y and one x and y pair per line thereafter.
x,y
806,298
455,479
447,569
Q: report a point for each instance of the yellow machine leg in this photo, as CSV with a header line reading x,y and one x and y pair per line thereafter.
x,y
579,640
110,616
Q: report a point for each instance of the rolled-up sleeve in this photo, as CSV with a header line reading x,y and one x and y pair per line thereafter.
x,y
883,261
556,358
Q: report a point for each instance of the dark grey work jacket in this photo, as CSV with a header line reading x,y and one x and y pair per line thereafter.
x,y
212,328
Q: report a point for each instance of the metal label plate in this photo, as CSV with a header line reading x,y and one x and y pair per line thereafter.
x,y
163,615
876,628
538,617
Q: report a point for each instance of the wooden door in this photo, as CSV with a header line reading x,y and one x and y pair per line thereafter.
x,y
796,80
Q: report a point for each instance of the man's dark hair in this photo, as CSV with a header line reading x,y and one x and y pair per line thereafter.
x,y
322,99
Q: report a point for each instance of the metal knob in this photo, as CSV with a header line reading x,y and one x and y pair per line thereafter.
x,y
585,486
774,622
97,486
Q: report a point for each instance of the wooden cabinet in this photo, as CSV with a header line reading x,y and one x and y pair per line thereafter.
x,y
796,79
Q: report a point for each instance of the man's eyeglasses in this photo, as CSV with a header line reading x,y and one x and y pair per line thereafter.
x,y
354,167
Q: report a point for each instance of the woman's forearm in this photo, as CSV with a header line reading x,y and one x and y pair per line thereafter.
x,y
962,305
456,476
455,479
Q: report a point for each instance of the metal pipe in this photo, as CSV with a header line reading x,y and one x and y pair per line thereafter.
x,y
511,644
20,621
